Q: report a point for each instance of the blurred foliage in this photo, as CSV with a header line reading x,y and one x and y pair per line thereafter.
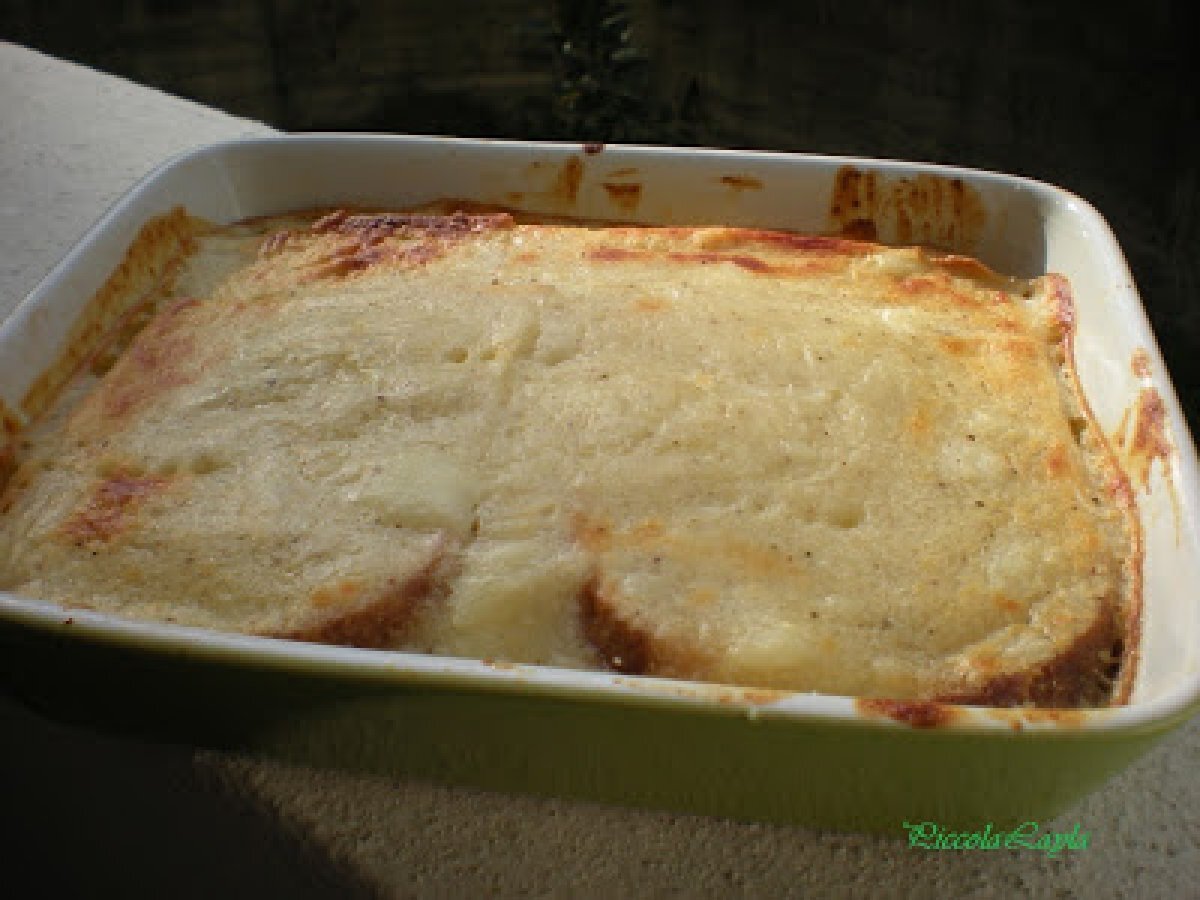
x,y
601,73
601,79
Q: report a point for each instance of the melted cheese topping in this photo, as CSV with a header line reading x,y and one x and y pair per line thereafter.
x,y
721,454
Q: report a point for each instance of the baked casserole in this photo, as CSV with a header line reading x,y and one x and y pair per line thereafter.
x,y
719,454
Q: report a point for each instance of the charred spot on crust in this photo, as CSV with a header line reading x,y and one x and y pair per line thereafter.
x,y
741,260
422,238
387,224
346,261
273,243
111,507
623,647
1081,676
385,618
376,623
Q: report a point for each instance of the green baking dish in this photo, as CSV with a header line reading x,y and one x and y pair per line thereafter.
x,y
817,760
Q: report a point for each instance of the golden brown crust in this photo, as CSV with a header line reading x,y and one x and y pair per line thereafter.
x,y
623,647
630,648
1083,675
139,282
111,507
1125,643
10,431
383,620
368,239
162,357
405,413
630,636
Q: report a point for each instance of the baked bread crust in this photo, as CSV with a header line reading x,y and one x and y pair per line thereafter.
x,y
721,454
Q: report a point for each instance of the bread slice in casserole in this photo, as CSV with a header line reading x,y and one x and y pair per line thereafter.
x,y
719,454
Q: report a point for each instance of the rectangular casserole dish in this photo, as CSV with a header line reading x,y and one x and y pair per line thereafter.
x,y
818,760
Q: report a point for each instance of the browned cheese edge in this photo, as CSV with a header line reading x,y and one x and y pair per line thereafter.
x,y
143,275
